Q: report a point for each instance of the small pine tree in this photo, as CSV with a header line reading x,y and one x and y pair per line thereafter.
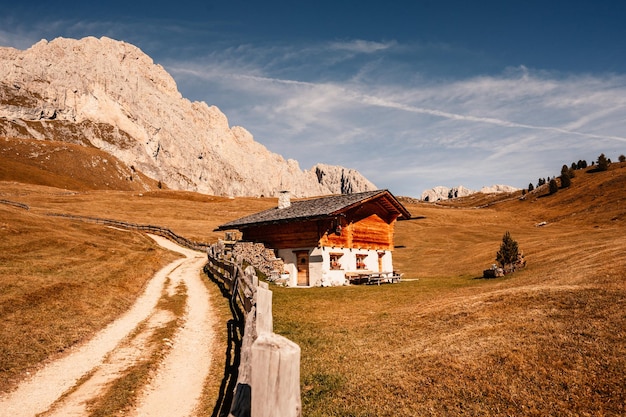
x,y
603,163
530,187
554,186
508,253
565,177
622,158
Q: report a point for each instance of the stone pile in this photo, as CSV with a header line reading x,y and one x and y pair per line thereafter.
x,y
262,258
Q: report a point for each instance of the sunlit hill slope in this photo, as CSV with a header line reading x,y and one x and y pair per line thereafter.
x,y
546,340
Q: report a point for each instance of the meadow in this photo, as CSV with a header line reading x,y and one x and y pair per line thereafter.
x,y
546,340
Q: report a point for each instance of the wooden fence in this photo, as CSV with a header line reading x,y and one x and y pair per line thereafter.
x,y
155,230
15,204
267,365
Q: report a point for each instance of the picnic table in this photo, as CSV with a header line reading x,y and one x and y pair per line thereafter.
x,y
371,278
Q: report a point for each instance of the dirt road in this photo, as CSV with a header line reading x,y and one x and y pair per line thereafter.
x,y
66,386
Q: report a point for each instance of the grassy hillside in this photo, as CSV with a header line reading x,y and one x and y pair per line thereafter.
x,y
548,340
67,165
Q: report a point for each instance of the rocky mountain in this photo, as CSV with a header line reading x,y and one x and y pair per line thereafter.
x,y
109,95
444,193
498,188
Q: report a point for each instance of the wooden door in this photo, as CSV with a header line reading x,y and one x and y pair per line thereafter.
x,y
303,267
380,261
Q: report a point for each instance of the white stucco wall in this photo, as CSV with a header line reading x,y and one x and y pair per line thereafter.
x,y
320,273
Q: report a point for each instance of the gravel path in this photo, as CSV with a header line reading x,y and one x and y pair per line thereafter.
x,y
176,387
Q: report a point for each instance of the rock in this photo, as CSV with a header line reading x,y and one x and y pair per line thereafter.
x,y
341,180
110,95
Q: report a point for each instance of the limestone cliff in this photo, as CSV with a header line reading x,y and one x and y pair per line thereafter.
x,y
110,95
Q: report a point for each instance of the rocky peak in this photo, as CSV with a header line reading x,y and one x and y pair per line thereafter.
x,y
110,95
445,193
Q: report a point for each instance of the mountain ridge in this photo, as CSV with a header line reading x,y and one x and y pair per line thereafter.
x,y
444,193
109,95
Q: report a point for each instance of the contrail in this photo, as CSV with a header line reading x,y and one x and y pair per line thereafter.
x,y
380,102
376,101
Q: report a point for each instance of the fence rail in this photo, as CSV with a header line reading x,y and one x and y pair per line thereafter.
x,y
264,376
15,204
155,230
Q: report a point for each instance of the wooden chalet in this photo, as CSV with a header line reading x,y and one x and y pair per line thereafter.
x,y
329,240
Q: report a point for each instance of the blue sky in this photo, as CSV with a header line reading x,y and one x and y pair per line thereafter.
x,y
413,94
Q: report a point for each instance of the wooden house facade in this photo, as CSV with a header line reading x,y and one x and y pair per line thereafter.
x,y
328,240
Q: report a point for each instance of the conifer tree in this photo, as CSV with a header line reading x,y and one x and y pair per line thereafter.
x,y
565,177
554,186
530,187
508,253
603,163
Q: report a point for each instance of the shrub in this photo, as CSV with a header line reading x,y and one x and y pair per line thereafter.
x,y
530,187
622,158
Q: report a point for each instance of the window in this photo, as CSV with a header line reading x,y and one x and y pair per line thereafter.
x,y
334,260
360,261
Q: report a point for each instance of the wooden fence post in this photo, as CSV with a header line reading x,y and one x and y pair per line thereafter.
x,y
268,383
264,318
275,377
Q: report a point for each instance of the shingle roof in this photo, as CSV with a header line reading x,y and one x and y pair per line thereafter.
x,y
312,209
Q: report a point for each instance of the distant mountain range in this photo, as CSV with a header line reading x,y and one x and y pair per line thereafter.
x,y
445,193
109,95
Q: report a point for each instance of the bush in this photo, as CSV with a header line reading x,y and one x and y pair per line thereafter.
x,y
530,187
622,158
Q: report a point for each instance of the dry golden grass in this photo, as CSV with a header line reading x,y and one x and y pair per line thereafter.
x,y
61,280
548,340
66,165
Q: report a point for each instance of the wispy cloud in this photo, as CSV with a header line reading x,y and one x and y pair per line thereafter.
x,y
381,107
536,119
362,46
